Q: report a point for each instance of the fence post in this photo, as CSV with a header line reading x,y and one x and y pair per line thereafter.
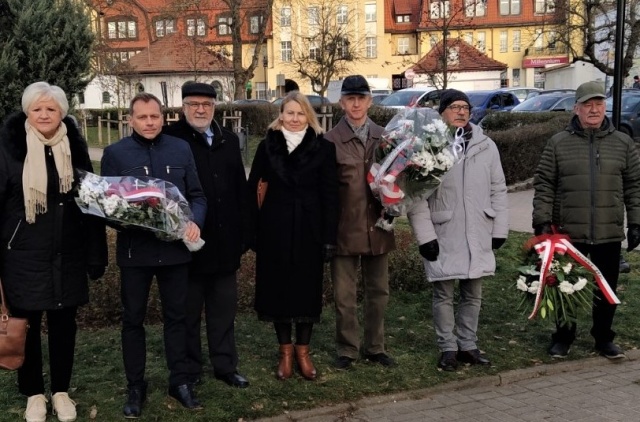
x,y
120,126
100,130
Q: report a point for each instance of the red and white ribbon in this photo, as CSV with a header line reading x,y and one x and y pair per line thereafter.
x,y
560,244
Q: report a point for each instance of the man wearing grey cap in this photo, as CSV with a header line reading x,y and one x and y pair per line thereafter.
x,y
360,242
587,175
212,272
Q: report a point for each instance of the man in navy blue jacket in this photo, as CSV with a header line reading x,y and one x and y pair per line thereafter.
x,y
141,255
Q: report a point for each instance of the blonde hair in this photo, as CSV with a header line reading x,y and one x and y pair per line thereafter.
x,y
42,90
312,119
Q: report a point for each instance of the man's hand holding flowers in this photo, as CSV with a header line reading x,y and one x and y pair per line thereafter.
x,y
192,232
415,153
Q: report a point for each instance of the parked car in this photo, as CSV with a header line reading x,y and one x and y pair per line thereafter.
x,y
629,114
377,98
315,100
523,92
547,102
420,97
251,102
551,91
482,101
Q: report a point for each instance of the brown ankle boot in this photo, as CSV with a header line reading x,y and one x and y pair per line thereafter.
x,y
304,362
285,365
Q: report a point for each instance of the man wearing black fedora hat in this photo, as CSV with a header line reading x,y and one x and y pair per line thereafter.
x,y
360,243
212,273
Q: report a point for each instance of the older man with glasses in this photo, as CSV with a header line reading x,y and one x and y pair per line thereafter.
x,y
457,228
212,273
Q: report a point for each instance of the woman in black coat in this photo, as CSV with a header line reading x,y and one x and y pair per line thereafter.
x,y
296,227
48,245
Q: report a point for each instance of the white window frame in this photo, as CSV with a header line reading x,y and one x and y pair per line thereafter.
x,y
285,17
473,8
403,45
482,41
504,41
342,14
517,40
371,47
509,7
370,12
313,15
439,9
223,25
285,51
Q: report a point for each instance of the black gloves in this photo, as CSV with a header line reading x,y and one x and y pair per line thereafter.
x,y
430,250
497,242
328,252
95,271
633,237
544,228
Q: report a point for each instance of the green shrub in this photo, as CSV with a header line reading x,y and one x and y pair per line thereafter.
x,y
521,137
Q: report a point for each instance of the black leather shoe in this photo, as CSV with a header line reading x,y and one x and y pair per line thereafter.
x,y
344,362
234,379
184,395
135,398
448,361
382,359
473,357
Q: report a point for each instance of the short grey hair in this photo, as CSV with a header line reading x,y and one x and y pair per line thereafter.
x,y
42,90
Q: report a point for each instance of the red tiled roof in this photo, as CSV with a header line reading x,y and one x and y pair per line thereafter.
x,y
393,8
178,53
469,59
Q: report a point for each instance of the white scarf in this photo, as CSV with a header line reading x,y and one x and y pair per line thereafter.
x,y
293,138
34,172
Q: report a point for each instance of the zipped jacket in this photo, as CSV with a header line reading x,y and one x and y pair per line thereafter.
x,y
584,181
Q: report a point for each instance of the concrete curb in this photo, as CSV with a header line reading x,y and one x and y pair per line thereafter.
x,y
490,381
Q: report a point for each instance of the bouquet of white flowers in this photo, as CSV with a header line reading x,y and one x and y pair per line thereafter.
x,y
149,203
416,151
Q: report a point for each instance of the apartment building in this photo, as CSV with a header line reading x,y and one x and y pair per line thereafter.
x,y
377,38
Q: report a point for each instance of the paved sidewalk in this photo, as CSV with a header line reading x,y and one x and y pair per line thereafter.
x,y
587,390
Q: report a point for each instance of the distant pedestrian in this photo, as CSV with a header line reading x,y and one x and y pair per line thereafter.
x,y
458,228
587,175
636,82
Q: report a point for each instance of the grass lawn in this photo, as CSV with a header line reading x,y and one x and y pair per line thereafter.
x,y
505,335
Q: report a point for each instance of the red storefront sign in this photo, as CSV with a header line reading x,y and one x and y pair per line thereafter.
x,y
544,61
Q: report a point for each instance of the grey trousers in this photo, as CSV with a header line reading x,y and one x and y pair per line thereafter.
x,y
465,322
375,276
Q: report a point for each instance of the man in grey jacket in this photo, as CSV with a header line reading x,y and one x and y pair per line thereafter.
x,y
457,229
587,175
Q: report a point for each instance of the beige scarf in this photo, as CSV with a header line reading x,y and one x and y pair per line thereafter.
x,y
34,173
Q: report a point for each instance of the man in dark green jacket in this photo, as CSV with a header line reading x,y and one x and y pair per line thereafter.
x,y
587,175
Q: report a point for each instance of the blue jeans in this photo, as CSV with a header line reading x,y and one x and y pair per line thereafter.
x,y
465,322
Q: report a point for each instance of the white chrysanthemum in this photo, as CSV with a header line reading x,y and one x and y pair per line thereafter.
x,y
444,160
430,128
534,286
521,284
555,266
441,126
580,284
567,268
424,160
566,287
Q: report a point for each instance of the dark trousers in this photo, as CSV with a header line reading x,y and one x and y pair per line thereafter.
x,y
135,285
62,342
607,258
218,294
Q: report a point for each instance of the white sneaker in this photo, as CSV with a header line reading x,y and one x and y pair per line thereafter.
x,y
64,407
36,409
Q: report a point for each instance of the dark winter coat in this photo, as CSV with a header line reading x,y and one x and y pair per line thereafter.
x,y
166,158
584,181
359,209
299,215
224,182
44,264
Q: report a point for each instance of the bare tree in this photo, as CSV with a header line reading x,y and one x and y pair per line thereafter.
x,y
331,46
587,28
442,19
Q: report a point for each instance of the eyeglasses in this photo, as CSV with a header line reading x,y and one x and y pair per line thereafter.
x,y
457,107
194,106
